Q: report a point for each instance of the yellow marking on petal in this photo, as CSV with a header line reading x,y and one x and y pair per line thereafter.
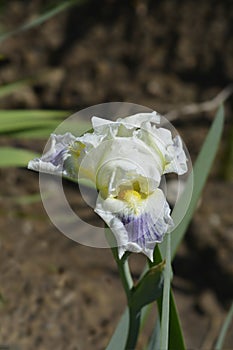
x,y
77,148
133,198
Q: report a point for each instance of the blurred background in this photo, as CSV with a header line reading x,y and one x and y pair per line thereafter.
x,y
56,58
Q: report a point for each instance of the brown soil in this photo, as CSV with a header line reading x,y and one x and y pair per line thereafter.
x,y
54,293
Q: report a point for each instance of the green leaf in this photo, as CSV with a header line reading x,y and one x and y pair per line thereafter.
x,y
37,133
11,87
16,114
39,123
227,161
13,157
195,183
200,174
12,121
27,124
223,332
154,343
149,288
119,338
164,337
77,129
175,339
59,7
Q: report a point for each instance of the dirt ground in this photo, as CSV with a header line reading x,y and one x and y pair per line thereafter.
x,y
54,293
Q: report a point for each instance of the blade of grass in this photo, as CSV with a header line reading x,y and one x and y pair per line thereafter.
x,y
199,175
176,339
46,132
61,6
223,331
32,113
119,338
21,125
201,171
36,123
12,121
11,87
10,156
38,133
154,343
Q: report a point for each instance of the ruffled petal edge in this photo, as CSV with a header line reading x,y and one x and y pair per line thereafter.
x,y
137,233
53,159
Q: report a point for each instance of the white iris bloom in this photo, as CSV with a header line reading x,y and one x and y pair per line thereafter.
x,y
125,159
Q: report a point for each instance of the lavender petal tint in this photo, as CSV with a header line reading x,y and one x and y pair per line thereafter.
x,y
142,229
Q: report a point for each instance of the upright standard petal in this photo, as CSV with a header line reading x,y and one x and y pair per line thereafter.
x,y
178,159
169,149
138,119
122,161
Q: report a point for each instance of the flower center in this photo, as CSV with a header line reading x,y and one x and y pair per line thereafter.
x,y
132,197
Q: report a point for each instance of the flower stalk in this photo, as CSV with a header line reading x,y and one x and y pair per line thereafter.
x,y
134,315
127,282
166,298
133,330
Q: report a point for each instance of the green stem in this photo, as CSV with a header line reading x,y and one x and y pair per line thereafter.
x,y
166,298
122,264
125,276
133,331
225,326
127,282
134,315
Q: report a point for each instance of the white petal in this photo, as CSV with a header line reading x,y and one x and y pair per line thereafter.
x,y
169,149
178,163
109,129
135,120
136,232
90,140
122,160
52,161
138,119
97,122
45,167
123,127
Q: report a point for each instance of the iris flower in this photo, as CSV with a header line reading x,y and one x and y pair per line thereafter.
x,y
125,160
